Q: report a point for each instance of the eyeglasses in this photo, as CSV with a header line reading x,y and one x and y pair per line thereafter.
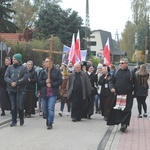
x,y
121,63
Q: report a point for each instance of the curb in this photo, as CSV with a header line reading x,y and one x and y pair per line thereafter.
x,y
113,139
105,138
5,121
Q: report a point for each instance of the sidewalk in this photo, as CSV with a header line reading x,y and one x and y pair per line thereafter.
x,y
137,134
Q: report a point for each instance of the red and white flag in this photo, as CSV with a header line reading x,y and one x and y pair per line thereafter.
x,y
77,47
72,57
106,53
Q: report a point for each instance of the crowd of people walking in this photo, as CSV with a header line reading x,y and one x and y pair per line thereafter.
x,y
84,88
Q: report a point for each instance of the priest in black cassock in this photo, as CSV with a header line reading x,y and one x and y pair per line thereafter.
x,y
79,91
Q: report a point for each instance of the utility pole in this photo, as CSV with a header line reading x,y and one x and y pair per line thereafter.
x,y
87,29
117,39
118,42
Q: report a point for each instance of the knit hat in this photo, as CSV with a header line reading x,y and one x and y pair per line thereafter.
x,y
18,57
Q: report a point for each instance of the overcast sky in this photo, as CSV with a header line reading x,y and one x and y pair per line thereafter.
x,y
108,15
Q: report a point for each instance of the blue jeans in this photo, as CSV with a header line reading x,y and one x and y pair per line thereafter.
x,y
96,99
17,105
43,101
50,109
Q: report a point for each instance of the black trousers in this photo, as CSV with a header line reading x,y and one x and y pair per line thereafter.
x,y
141,101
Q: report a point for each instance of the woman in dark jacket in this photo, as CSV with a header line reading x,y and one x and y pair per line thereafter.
x,y
105,94
141,89
4,98
93,80
30,90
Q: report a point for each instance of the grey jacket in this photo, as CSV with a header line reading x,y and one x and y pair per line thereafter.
x,y
86,85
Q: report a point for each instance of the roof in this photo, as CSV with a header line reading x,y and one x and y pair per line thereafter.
x,y
14,37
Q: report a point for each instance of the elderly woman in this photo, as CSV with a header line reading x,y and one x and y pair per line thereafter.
x,y
105,94
30,90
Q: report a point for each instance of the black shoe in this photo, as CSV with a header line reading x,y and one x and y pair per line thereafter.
x,y
3,113
89,116
44,117
145,115
13,124
22,122
123,128
139,116
60,114
76,119
49,127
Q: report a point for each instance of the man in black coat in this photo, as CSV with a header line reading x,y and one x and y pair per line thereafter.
x,y
122,84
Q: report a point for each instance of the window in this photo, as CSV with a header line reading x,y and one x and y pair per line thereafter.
x,y
93,43
93,53
92,36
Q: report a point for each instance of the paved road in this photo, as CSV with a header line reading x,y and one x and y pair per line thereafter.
x,y
65,135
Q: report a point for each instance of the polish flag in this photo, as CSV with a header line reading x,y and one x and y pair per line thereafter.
x,y
77,47
72,57
106,53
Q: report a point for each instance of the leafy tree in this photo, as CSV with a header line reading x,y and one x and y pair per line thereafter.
x,y
140,10
25,14
140,57
6,12
127,41
61,23
43,3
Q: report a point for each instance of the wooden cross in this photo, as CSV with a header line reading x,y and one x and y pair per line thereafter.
x,y
50,51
